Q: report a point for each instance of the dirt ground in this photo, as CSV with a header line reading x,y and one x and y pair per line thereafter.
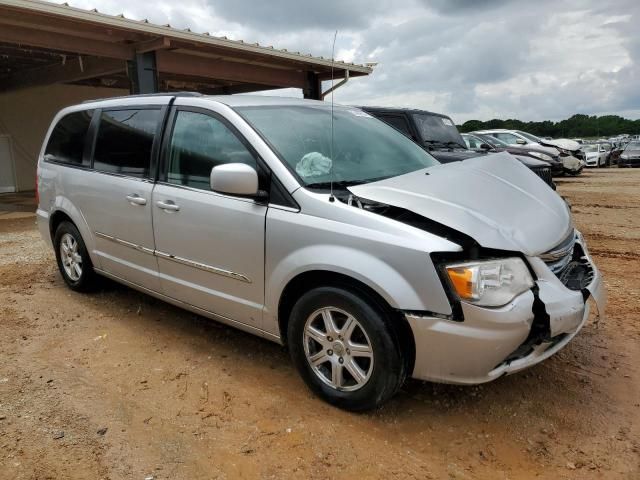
x,y
118,385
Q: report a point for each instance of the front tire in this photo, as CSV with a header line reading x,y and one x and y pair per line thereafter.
x,y
345,348
73,259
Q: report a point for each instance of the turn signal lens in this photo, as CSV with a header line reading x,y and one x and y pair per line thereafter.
x,y
462,280
490,283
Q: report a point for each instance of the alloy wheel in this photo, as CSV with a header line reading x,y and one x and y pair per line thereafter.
x,y
71,259
338,349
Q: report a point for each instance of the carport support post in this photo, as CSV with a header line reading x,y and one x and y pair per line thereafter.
x,y
313,87
143,73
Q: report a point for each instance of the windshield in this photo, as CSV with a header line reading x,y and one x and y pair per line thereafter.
x,y
633,146
434,128
364,148
496,142
528,136
589,148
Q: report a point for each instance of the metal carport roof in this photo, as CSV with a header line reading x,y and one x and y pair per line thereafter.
x,y
44,43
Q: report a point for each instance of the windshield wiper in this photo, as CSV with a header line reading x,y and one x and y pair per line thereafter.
x,y
434,143
340,184
443,144
346,183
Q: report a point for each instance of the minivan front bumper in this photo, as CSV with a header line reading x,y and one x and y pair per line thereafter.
x,y
492,342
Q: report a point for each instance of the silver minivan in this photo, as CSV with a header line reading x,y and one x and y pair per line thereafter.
x,y
321,228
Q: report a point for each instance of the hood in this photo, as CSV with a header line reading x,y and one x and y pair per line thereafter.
x,y
533,151
563,143
494,199
631,153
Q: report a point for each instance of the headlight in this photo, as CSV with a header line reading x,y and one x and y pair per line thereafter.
x,y
490,283
541,156
624,157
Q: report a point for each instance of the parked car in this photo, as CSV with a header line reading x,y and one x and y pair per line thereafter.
x,y
595,155
614,155
487,143
610,152
630,156
568,150
437,134
518,137
433,131
321,228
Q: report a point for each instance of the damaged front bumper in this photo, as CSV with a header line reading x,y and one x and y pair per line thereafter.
x,y
572,165
492,342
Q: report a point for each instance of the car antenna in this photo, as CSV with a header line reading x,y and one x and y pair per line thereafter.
x,y
333,49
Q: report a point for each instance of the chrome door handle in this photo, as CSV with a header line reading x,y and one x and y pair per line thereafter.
x,y
168,205
136,199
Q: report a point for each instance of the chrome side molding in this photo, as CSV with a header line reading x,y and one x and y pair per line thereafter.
x,y
203,266
184,261
119,241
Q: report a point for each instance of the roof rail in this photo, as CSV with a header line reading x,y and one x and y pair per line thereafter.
x,y
143,95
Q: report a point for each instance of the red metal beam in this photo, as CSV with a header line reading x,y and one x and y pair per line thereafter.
x,y
161,43
67,43
74,70
184,64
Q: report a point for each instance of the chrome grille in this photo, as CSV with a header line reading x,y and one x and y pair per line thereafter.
x,y
577,274
560,256
545,174
570,264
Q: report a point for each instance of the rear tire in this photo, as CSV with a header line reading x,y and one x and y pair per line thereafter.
x,y
73,259
345,348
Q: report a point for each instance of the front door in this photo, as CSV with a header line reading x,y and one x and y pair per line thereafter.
x,y
209,246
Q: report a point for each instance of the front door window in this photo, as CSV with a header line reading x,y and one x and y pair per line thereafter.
x,y
199,143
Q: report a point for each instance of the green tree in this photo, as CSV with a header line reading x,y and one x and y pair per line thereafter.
x,y
578,125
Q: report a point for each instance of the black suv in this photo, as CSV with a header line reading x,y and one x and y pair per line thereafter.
x,y
437,134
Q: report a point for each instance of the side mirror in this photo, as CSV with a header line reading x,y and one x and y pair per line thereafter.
x,y
485,146
235,179
520,141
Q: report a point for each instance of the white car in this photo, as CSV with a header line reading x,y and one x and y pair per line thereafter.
x,y
595,155
518,137
569,150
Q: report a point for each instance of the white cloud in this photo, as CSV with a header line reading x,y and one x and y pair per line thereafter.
x,y
470,59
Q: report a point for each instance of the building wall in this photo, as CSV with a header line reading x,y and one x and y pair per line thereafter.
x,y
25,115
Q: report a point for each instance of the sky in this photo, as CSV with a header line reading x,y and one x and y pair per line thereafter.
x,y
482,59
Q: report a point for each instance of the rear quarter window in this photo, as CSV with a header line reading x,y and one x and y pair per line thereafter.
x,y
66,143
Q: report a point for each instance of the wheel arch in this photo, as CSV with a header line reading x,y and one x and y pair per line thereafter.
x,y
56,218
64,210
308,280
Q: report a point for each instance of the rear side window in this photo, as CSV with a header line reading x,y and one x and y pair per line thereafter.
x,y
124,142
66,144
200,142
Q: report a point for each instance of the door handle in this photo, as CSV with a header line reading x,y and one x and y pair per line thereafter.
x,y
168,205
136,199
